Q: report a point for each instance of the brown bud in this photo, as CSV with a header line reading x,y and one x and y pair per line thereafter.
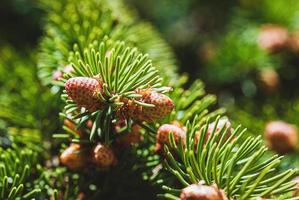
x,y
163,135
281,136
103,156
273,38
81,196
202,192
89,124
73,157
224,121
269,79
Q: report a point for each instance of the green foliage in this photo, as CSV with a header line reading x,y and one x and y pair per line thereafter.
x,y
191,102
106,39
68,25
274,12
18,164
56,183
121,68
271,109
232,63
235,164
22,98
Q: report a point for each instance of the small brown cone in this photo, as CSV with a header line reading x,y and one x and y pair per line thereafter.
x,y
103,156
273,38
202,192
73,157
81,196
163,106
163,132
269,79
281,136
84,92
224,121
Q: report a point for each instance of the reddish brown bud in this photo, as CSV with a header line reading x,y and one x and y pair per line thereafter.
x,y
84,91
273,38
281,136
224,121
103,156
269,79
163,106
202,192
73,157
163,135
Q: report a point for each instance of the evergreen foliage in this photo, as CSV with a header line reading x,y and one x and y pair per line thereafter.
x,y
105,43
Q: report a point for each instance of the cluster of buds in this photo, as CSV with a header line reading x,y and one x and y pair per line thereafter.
x,y
85,91
179,133
77,157
202,192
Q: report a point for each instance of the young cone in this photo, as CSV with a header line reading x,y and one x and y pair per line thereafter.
x,y
281,136
103,156
224,121
163,135
73,157
202,192
163,105
273,38
84,91
269,79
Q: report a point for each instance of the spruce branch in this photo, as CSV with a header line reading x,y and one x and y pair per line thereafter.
x,y
125,77
72,23
122,69
18,164
191,102
236,164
